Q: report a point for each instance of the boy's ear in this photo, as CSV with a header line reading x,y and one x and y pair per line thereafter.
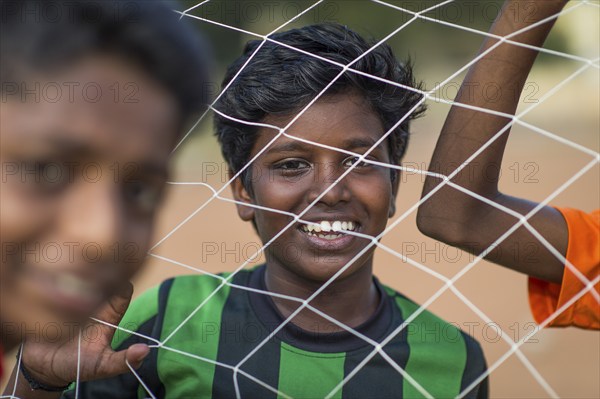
x,y
395,185
240,194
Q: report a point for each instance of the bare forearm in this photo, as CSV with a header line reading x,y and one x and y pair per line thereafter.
x,y
463,220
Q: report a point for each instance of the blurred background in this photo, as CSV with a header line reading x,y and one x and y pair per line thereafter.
x,y
215,239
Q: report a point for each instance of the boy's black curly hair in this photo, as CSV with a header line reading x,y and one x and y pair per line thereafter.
x,y
40,36
281,81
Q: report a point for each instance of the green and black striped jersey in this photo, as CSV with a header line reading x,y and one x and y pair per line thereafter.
x,y
207,328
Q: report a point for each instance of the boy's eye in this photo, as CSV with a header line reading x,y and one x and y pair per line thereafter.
x,y
292,165
353,160
44,176
144,196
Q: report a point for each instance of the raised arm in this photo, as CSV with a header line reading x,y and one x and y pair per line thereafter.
x,y
466,222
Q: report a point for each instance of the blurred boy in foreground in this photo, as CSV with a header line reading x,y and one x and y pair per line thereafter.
x,y
94,97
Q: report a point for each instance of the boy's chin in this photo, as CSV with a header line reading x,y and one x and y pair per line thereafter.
x,y
323,269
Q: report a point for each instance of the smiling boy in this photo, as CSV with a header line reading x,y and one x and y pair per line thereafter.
x,y
239,343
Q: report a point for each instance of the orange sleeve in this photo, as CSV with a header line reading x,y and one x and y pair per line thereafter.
x,y
583,252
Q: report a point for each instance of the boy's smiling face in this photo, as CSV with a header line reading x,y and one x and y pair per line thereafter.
x,y
290,175
81,184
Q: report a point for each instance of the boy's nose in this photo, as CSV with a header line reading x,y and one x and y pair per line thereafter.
x,y
327,181
93,216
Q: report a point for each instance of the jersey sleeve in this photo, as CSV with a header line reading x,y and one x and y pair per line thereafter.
x,y
583,252
142,323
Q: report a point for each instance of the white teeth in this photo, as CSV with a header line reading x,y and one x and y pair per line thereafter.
x,y
326,226
74,286
336,226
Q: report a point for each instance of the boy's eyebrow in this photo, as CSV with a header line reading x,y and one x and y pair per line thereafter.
x,y
358,142
154,168
66,144
349,145
69,145
290,146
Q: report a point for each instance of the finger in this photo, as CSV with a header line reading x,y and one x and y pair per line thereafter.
x,y
136,354
120,301
115,363
112,312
